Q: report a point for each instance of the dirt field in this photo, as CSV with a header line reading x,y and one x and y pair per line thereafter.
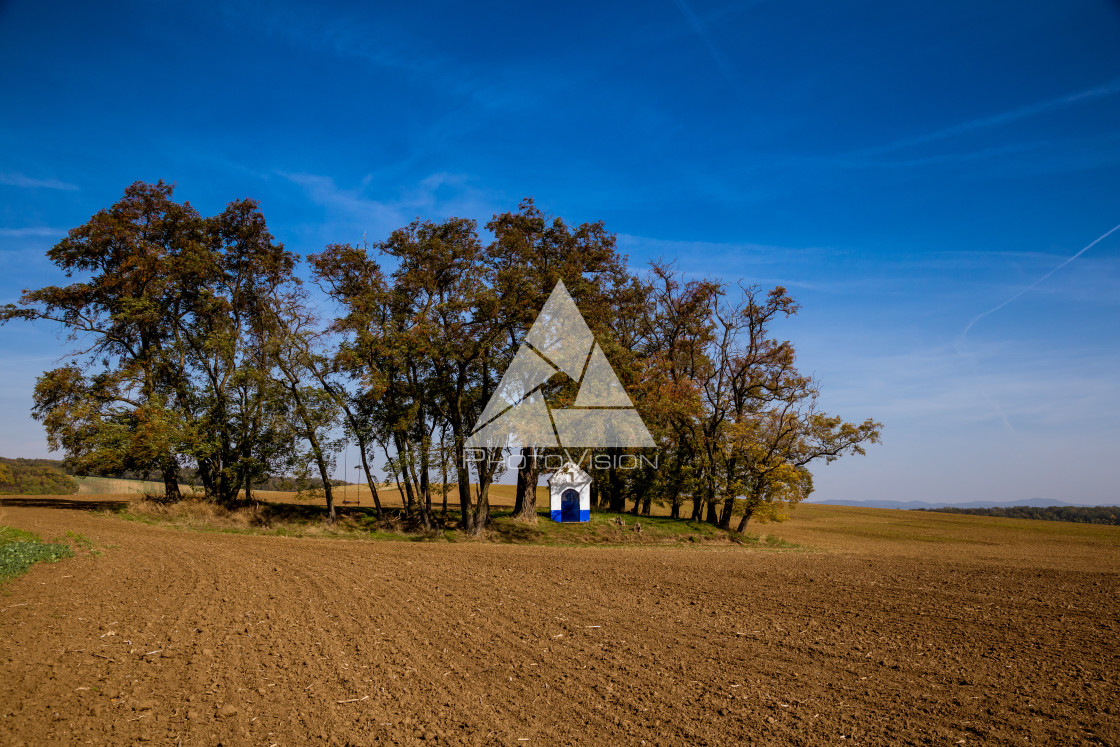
x,y
890,628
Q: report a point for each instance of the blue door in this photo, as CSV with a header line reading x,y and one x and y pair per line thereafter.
x,y
569,505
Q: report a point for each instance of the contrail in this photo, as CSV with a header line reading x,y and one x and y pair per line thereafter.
x,y
698,28
959,342
1035,284
1105,90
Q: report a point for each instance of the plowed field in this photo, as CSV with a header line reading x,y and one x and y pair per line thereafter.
x,y
888,628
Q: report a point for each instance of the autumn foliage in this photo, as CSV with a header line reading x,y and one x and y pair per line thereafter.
x,y
197,346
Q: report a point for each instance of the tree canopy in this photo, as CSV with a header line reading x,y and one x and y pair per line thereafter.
x,y
197,348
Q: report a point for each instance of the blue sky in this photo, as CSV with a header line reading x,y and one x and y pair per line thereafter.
x,y
902,168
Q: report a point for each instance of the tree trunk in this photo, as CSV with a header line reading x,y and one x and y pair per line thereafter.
x,y
205,474
425,485
743,522
409,501
369,479
525,507
519,492
443,471
618,501
480,519
711,517
725,513
464,475
404,470
170,470
327,488
340,398
710,500
415,480
316,448
482,510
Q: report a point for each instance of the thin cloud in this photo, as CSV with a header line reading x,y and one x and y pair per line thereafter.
x,y
352,36
375,215
1050,390
437,196
32,232
733,251
15,179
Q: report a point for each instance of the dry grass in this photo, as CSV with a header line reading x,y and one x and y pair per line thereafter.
x,y
196,513
270,516
302,515
118,486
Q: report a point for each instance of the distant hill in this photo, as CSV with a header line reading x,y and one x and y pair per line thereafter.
x,y
35,477
54,477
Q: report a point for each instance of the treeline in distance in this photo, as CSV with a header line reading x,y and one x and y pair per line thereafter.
x,y
35,477
1076,514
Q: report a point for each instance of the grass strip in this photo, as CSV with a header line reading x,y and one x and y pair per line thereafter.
x,y
19,550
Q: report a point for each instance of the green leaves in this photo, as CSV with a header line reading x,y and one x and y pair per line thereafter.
x,y
198,347
170,321
19,550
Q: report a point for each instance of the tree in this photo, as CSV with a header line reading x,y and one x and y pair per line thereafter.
x,y
239,413
169,319
530,253
447,324
197,346
116,405
783,444
290,350
677,342
35,477
355,281
373,352
738,423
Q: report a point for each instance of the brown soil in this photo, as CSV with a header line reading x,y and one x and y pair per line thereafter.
x,y
182,637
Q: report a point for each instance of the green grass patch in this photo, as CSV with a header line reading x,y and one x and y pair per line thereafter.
x,y
19,550
82,542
